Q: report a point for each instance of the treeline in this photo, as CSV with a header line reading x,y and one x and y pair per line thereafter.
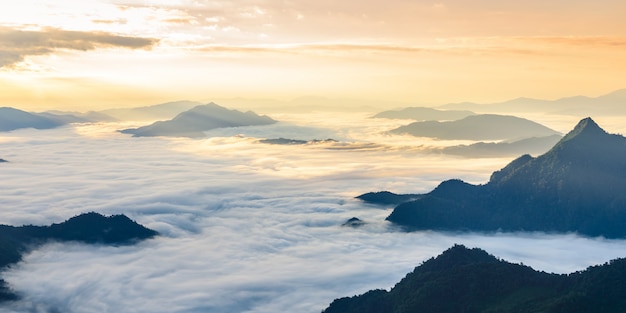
x,y
463,280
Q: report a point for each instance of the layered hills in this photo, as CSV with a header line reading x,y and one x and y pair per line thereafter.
x,y
608,104
92,228
194,122
473,281
477,127
161,111
532,145
424,114
12,119
577,186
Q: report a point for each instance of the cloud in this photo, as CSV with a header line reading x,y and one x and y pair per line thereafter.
x,y
243,230
16,45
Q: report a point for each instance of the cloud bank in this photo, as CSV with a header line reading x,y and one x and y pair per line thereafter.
x,y
247,227
16,45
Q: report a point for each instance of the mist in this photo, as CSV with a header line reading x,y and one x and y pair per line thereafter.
x,y
246,226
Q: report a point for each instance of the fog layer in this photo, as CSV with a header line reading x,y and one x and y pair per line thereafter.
x,y
246,226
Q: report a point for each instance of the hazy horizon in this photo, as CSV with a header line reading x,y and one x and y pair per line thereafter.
x,y
111,53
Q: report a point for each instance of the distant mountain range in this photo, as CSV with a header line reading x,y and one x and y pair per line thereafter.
x,y
472,281
424,114
194,122
88,228
577,186
12,119
161,111
477,127
609,104
533,146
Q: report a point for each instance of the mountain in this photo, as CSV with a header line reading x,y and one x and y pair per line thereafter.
x,y
424,114
534,145
354,222
577,186
12,119
283,141
150,113
77,117
477,127
473,281
609,104
194,122
88,228
386,197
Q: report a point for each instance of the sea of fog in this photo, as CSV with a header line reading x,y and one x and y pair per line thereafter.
x,y
245,226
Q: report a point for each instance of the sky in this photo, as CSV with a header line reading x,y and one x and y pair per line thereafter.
x,y
96,54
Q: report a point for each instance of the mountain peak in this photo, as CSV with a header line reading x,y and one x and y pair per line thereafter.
x,y
458,255
586,128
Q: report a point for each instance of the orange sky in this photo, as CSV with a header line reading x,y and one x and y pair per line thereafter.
x,y
92,54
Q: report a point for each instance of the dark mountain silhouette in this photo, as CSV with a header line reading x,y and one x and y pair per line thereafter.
x,y
283,141
424,114
609,104
577,186
472,281
477,127
12,119
201,118
354,222
161,111
534,145
386,197
88,228
3,160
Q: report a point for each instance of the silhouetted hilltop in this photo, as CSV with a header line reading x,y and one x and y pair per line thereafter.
x,y
89,228
577,186
283,141
472,281
201,118
386,197
354,222
477,127
424,114
12,119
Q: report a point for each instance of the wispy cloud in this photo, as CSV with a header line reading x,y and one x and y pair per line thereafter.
x,y
16,45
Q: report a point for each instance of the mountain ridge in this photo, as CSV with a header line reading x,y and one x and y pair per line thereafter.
x,y
606,104
193,122
574,187
477,127
472,281
90,228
